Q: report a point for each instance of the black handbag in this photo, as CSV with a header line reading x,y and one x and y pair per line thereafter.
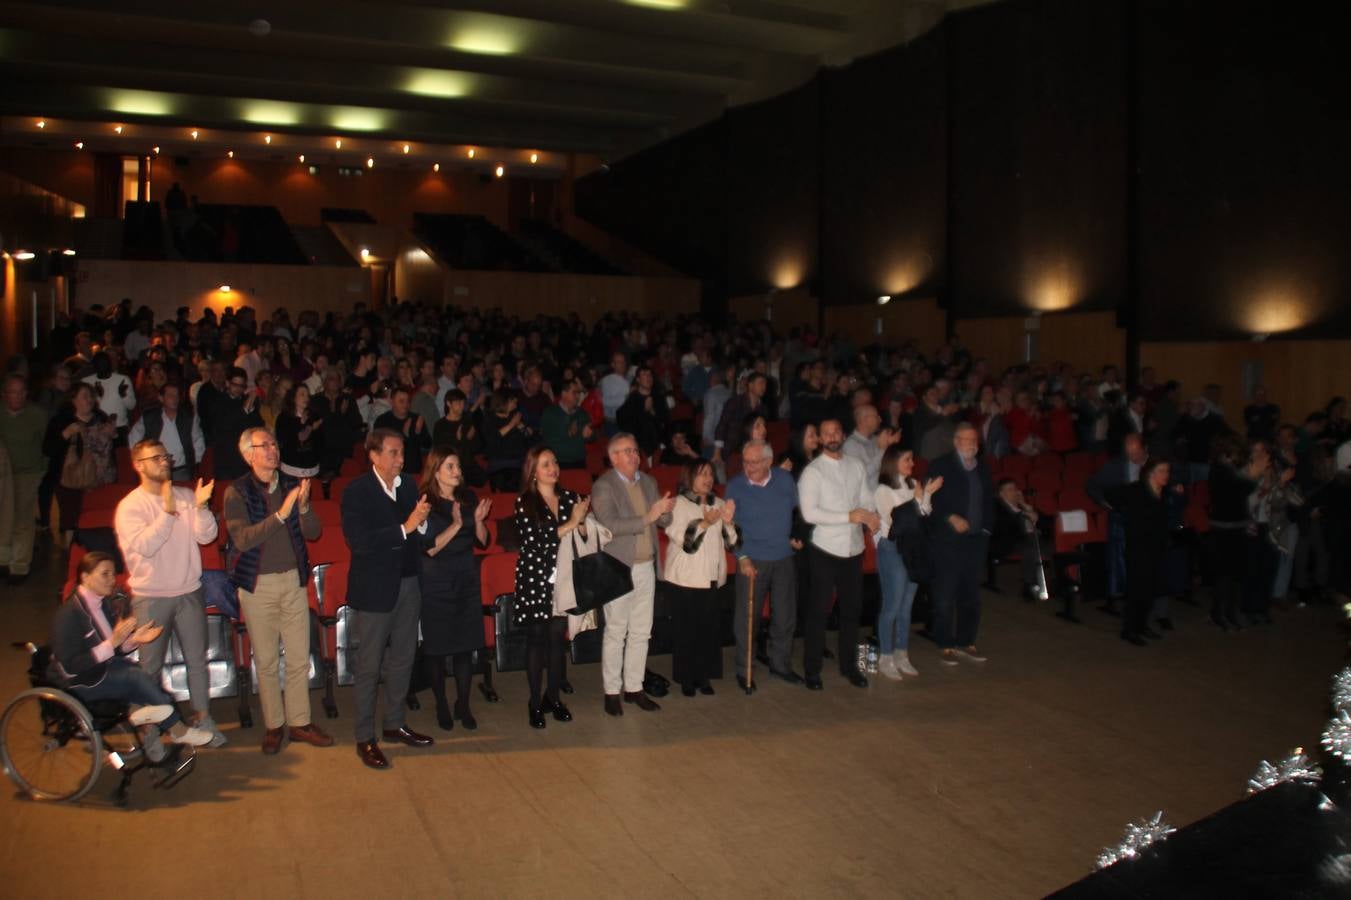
x,y
598,578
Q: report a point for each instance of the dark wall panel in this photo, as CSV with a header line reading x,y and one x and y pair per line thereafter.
x,y
774,162
1245,153
884,151
1038,155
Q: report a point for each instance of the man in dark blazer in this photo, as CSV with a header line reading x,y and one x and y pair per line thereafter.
x,y
1116,473
625,501
960,525
385,523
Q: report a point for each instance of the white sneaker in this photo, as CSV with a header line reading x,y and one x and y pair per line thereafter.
x,y
151,715
208,724
901,658
195,736
887,666
970,654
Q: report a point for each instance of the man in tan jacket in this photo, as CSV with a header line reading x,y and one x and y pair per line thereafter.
x,y
626,502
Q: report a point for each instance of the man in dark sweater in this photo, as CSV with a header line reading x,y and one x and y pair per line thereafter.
x,y
962,518
230,416
385,524
765,498
268,519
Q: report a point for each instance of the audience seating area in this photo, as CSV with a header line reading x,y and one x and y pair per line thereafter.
x,y
472,242
562,252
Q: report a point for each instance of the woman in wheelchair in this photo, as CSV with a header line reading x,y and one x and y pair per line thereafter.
x,y
92,634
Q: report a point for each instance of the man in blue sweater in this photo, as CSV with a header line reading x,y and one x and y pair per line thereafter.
x,y
765,499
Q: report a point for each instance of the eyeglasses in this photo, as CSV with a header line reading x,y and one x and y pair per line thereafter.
x,y
263,446
159,457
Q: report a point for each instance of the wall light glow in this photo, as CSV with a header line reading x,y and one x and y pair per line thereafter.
x,y
437,83
357,118
140,103
491,40
1274,310
1056,286
270,112
659,4
787,273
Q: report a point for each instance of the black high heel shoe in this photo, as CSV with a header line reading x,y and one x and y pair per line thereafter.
x,y
561,713
466,717
537,717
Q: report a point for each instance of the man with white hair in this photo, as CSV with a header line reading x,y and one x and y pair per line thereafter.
x,y
625,501
962,517
765,498
268,519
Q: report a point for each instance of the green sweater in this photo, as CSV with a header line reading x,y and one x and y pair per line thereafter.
x,y
22,435
554,425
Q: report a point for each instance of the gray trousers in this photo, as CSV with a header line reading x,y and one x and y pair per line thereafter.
x,y
779,578
386,645
185,616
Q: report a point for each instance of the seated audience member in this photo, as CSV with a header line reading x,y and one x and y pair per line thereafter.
x,y
416,432
176,427
645,414
506,441
93,634
1027,430
565,427
535,397
1014,523
681,450
1060,430
869,440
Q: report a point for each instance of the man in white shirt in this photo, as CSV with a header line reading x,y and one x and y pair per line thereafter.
x,y
177,429
113,390
837,498
249,360
867,443
614,388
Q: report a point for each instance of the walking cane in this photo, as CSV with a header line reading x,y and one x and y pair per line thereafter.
x,y
750,629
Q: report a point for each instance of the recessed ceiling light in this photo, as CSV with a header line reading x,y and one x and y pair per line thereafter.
x,y
338,143
534,158
68,252
194,134
224,289
499,171
42,123
156,149
117,128
406,148
230,153
370,162
267,139
436,167
23,254
302,157
79,145
471,152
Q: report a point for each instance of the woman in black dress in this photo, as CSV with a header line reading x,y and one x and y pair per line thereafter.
x,y
452,614
1146,511
545,514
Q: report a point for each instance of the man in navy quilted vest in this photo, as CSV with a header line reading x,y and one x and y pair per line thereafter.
x,y
268,519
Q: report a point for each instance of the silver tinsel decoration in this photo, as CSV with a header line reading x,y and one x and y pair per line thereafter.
x,y
1138,837
1295,767
1341,690
1337,737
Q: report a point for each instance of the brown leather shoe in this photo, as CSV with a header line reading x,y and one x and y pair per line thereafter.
x,y
406,735
272,741
313,735
369,753
643,701
612,706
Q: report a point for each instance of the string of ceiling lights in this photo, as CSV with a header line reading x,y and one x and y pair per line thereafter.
x,y
399,152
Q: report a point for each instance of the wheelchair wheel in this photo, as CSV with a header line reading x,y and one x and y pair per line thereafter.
x,y
48,745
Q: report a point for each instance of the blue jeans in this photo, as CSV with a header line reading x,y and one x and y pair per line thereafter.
x,y
1116,554
898,597
129,683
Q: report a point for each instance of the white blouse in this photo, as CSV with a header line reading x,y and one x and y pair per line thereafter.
x,y
888,498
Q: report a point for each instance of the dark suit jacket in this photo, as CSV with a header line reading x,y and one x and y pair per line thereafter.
x,y
954,497
74,638
1111,476
373,527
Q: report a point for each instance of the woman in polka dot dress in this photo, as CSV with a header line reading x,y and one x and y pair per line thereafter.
x,y
545,514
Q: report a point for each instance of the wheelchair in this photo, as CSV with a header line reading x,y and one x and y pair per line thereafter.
x,y
53,746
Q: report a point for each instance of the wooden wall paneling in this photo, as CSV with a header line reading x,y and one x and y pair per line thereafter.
x,y
921,321
1086,341
590,296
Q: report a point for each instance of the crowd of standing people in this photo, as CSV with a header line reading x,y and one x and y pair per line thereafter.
x,y
888,451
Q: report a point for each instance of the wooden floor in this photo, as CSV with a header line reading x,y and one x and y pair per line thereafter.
x,y
995,781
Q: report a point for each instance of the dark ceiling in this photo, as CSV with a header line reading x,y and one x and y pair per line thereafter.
x,y
597,76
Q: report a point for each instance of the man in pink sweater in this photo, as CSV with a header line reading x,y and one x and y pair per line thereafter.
x,y
158,528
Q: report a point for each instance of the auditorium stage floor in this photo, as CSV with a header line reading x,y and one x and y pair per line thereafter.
x,y
995,781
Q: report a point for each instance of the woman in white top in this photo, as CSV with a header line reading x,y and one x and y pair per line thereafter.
x,y
701,533
897,486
